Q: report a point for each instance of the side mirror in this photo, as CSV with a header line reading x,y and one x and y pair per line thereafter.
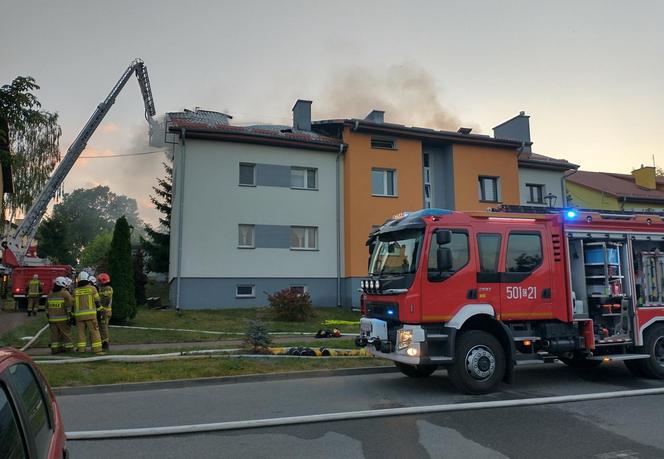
x,y
443,237
444,259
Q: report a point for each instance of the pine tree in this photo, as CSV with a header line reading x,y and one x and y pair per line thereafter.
x,y
157,243
121,270
140,279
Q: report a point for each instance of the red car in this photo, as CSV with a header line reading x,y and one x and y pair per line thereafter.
x,y
30,422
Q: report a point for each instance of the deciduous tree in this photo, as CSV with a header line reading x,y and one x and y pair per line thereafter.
x,y
33,138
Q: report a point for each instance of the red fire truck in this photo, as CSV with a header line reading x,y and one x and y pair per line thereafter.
x,y
479,292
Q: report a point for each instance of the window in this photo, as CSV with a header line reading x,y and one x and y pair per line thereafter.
x,y
305,178
35,406
245,291
489,249
304,237
247,174
383,182
246,236
379,142
459,248
488,188
535,193
524,252
298,289
10,435
427,182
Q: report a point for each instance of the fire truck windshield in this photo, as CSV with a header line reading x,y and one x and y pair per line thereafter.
x,y
396,252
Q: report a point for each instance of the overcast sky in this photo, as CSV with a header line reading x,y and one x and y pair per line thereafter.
x,y
590,74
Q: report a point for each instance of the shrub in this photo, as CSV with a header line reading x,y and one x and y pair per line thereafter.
x,y
290,306
257,337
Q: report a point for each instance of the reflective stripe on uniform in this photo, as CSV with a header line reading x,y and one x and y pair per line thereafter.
x,y
84,301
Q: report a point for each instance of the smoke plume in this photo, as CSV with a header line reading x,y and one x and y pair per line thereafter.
x,y
408,94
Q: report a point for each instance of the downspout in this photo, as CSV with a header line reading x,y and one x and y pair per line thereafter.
x,y
564,188
338,197
180,186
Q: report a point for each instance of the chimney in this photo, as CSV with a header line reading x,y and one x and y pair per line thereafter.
x,y
376,116
645,177
302,115
517,128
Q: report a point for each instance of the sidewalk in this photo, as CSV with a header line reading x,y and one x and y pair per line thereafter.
x,y
11,320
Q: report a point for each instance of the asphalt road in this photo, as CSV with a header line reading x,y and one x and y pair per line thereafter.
x,y
606,429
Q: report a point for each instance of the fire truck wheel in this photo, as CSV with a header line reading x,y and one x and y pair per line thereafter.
x,y
653,367
479,363
416,371
580,363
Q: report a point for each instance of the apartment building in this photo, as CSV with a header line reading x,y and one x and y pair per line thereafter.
x,y
390,168
255,210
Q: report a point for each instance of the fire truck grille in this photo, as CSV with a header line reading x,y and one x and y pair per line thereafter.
x,y
385,311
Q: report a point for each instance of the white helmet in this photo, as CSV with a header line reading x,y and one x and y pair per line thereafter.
x,y
83,276
60,281
35,276
92,279
68,281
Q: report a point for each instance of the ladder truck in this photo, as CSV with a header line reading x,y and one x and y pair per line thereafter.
x,y
480,292
17,245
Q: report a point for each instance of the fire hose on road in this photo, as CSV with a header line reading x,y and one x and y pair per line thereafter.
x,y
351,415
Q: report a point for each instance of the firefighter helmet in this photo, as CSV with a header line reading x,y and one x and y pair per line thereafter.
x,y
104,278
83,276
60,281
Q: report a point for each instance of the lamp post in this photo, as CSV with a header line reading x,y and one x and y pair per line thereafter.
x,y
550,199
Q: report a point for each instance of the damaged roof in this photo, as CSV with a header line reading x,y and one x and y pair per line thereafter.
x,y
203,124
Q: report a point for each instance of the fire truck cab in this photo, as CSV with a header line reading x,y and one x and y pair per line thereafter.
x,y
479,292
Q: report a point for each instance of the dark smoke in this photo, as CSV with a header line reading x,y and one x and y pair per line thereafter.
x,y
408,94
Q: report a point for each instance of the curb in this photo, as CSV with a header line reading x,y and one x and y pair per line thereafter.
x,y
180,383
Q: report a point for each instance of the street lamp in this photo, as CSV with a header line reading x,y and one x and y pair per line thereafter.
x,y
551,200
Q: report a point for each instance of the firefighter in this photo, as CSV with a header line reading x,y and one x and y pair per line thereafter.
x,y
58,310
106,311
93,282
33,290
86,303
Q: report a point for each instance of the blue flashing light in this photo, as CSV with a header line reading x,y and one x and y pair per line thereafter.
x,y
390,312
571,214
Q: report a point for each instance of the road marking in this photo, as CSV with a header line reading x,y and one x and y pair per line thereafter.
x,y
345,416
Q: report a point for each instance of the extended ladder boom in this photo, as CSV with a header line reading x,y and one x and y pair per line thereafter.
x,y
20,241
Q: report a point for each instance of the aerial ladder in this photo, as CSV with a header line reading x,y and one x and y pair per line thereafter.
x,y
18,243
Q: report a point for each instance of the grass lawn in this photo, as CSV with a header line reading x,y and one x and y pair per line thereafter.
x,y
228,320
83,374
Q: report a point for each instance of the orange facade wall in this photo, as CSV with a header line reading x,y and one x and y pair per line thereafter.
x,y
361,209
472,161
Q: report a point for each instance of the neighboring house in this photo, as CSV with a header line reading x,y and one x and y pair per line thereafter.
x,y
254,211
640,191
390,168
541,178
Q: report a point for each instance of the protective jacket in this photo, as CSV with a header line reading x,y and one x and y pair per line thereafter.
x,y
58,306
106,295
86,300
34,288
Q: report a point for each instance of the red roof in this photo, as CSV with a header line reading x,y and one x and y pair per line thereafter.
x,y
620,186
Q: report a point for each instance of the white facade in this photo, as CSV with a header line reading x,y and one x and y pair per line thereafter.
x,y
214,204
551,181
